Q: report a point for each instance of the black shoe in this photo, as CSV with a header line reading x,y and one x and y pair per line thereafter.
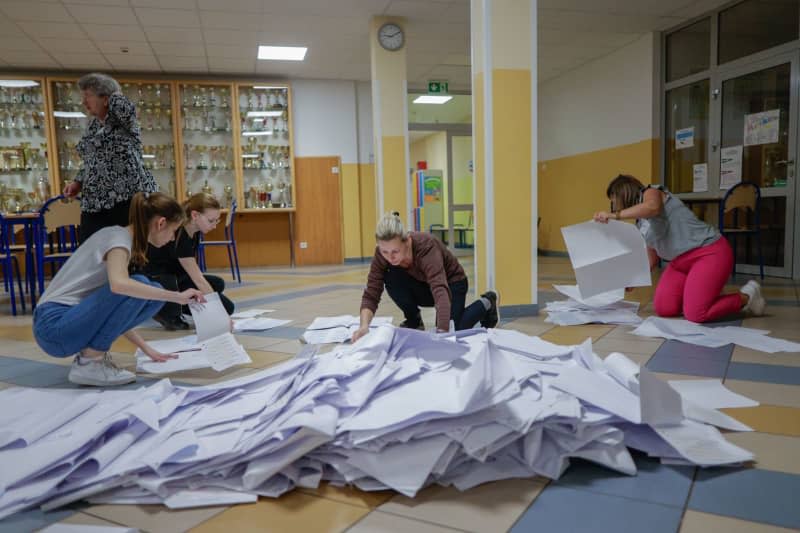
x,y
492,314
416,324
171,324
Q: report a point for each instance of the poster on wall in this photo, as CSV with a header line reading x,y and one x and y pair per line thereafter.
x,y
762,128
730,168
684,138
700,177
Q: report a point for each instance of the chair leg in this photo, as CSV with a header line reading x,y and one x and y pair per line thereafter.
x,y
735,256
230,261
236,261
7,275
760,255
19,284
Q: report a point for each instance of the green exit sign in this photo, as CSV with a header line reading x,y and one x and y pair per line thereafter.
x,y
437,87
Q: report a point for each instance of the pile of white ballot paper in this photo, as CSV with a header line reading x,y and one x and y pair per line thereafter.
x,y
337,329
399,409
605,308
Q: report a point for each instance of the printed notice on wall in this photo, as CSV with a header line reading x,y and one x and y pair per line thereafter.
x,y
730,168
684,138
762,128
700,176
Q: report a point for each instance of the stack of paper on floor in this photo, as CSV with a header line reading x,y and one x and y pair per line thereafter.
x,y
607,257
399,409
605,308
691,333
336,329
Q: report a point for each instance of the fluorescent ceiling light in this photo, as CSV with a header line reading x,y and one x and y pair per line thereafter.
x,y
18,83
148,156
430,99
250,156
69,114
267,87
282,53
256,133
264,113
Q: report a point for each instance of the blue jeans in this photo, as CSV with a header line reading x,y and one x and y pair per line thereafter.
x,y
96,322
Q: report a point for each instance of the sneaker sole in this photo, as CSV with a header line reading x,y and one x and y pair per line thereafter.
x,y
97,383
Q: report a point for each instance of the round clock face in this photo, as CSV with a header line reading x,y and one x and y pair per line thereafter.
x,y
391,36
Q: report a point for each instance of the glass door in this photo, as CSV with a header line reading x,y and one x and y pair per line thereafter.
x,y
758,138
461,221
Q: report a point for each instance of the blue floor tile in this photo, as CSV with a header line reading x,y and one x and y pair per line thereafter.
x,y
654,482
283,332
782,303
564,509
782,375
673,348
689,366
750,494
23,367
32,520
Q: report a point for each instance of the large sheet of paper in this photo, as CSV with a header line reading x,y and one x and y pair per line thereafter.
x,y
607,257
219,353
210,318
710,393
258,324
251,313
338,329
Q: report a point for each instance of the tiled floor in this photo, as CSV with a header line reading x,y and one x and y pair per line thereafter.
x,y
760,497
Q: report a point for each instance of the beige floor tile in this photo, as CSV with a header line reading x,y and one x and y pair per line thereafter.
x,y
83,519
289,347
771,419
294,512
606,345
153,518
351,495
264,359
257,343
773,452
696,522
378,522
4,385
576,334
767,393
746,355
490,507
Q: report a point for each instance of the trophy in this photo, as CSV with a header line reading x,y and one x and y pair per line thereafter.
x,y
228,194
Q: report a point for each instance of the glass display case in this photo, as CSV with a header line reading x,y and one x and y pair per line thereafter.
x,y
24,172
206,123
267,174
70,120
154,110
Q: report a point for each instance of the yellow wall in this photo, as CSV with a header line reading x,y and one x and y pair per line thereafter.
x,y
369,211
462,179
572,189
351,209
395,175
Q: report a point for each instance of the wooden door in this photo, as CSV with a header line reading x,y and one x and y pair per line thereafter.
x,y
318,220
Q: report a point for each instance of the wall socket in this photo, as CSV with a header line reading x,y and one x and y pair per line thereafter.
x,y
303,245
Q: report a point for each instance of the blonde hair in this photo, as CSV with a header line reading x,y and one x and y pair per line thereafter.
x,y
390,227
200,202
144,208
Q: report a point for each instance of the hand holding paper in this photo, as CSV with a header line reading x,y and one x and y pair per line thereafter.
x,y
210,317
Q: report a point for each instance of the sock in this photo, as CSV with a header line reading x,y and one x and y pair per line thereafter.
x,y
486,303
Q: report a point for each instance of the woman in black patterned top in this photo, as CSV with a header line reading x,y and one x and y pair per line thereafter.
x,y
111,149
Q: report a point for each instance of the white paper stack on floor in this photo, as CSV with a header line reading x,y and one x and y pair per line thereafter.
x,y
220,353
689,332
604,308
399,409
337,329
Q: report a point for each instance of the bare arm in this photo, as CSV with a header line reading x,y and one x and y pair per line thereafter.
x,y
121,283
653,257
191,267
363,329
651,206
153,354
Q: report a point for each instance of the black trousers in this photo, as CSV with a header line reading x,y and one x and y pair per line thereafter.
x,y
93,222
171,282
410,294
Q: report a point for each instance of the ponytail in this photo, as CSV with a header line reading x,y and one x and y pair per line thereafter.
x,y
144,208
390,227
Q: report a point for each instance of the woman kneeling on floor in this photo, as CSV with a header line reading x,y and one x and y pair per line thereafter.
x,y
174,266
700,259
93,300
418,270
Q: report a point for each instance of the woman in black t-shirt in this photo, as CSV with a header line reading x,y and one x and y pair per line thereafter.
x,y
175,264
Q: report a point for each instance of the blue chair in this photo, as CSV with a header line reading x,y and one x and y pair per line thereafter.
x,y
57,237
10,267
742,199
229,243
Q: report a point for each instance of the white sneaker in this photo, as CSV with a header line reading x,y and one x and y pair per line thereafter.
x,y
101,372
756,303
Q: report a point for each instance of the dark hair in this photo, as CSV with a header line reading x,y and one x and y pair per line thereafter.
x,y
144,208
626,190
200,202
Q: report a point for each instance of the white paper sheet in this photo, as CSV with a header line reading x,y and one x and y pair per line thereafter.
x,y
600,300
258,324
219,353
210,318
86,528
710,393
607,257
251,313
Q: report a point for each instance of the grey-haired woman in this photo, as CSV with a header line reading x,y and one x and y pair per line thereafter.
x,y
111,150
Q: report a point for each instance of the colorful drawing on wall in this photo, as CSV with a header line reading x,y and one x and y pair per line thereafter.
x,y
433,188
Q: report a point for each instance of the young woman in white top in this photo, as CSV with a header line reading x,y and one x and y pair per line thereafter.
x,y
93,300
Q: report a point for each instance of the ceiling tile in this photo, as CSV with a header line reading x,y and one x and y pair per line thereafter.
x,y
174,35
177,18
417,9
221,50
17,42
102,14
34,11
128,61
34,57
227,65
136,48
179,49
53,30
77,46
621,7
34,62
247,6
583,21
114,32
183,63
230,37
165,4
228,20
82,61
697,8
8,27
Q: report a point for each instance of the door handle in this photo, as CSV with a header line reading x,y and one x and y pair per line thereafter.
x,y
785,162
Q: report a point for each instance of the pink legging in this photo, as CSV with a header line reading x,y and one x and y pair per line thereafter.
x,y
693,281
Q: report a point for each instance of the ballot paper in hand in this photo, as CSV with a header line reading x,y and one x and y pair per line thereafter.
x,y
210,318
607,257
